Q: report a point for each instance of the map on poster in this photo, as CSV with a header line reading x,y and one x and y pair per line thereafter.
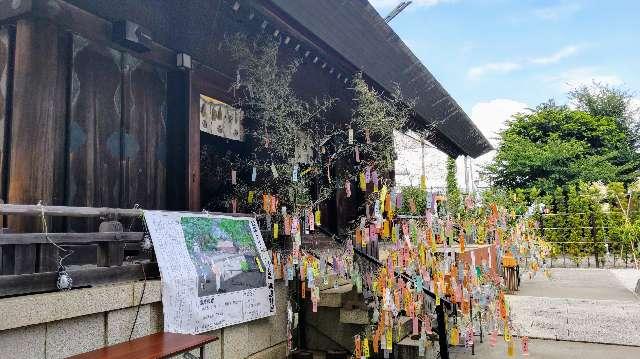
x,y
215,269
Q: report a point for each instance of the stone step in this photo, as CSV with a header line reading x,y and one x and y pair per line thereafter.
x,y
354,316
332,297
324,330
409,348
333,281
318,241
403,328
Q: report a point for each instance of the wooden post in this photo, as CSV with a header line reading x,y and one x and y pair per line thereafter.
x,y
442,332
38,124
193,148
178,102
110,253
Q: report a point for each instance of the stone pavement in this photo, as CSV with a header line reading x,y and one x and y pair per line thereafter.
x,y
551,349
584,305
579,283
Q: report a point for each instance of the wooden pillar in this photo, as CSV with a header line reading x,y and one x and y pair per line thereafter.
x,y
179,182
38,124
193,143
6,79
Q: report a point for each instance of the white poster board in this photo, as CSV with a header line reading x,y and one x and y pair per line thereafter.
x,y
215,269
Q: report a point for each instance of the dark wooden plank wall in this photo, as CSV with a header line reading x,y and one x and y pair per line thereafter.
x,y
88,126
94,129
144,135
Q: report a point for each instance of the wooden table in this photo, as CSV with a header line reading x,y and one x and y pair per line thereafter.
x,y
155,346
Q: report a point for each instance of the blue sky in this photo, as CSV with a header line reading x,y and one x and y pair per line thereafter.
x,y
498,56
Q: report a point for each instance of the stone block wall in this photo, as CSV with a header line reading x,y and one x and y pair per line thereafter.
x,y
57,325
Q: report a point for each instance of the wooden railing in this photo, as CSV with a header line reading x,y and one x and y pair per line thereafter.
x,y
30,262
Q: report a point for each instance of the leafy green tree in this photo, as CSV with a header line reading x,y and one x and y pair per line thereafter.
x,y
602,100
560,219
454,198
198,230
597,221
554,145
415,194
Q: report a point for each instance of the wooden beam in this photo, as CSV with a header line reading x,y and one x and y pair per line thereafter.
x,y
69,238
95,28
11,285
10,10
68,211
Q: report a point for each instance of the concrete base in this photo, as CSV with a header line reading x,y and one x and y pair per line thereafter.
x,y
61,324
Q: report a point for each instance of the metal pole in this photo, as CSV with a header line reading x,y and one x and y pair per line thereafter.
x,y
473,346
480,322
442,335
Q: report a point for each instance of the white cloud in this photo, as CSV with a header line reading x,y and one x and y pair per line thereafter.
x,y
505,67
383,5
635,108
491,117
559,55
582,76
556,12
500,68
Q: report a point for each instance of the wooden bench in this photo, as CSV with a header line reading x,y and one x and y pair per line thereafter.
x,y
155,346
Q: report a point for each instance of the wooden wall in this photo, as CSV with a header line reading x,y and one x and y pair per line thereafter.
x,y
87,124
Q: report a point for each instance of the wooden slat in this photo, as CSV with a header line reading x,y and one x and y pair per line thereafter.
x,y
144,135
46,258
71,238
94,130
46,282
18,259
155,346
67,211
38,127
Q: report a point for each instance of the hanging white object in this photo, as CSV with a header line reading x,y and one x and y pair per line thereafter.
x,y
65,282
146,242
